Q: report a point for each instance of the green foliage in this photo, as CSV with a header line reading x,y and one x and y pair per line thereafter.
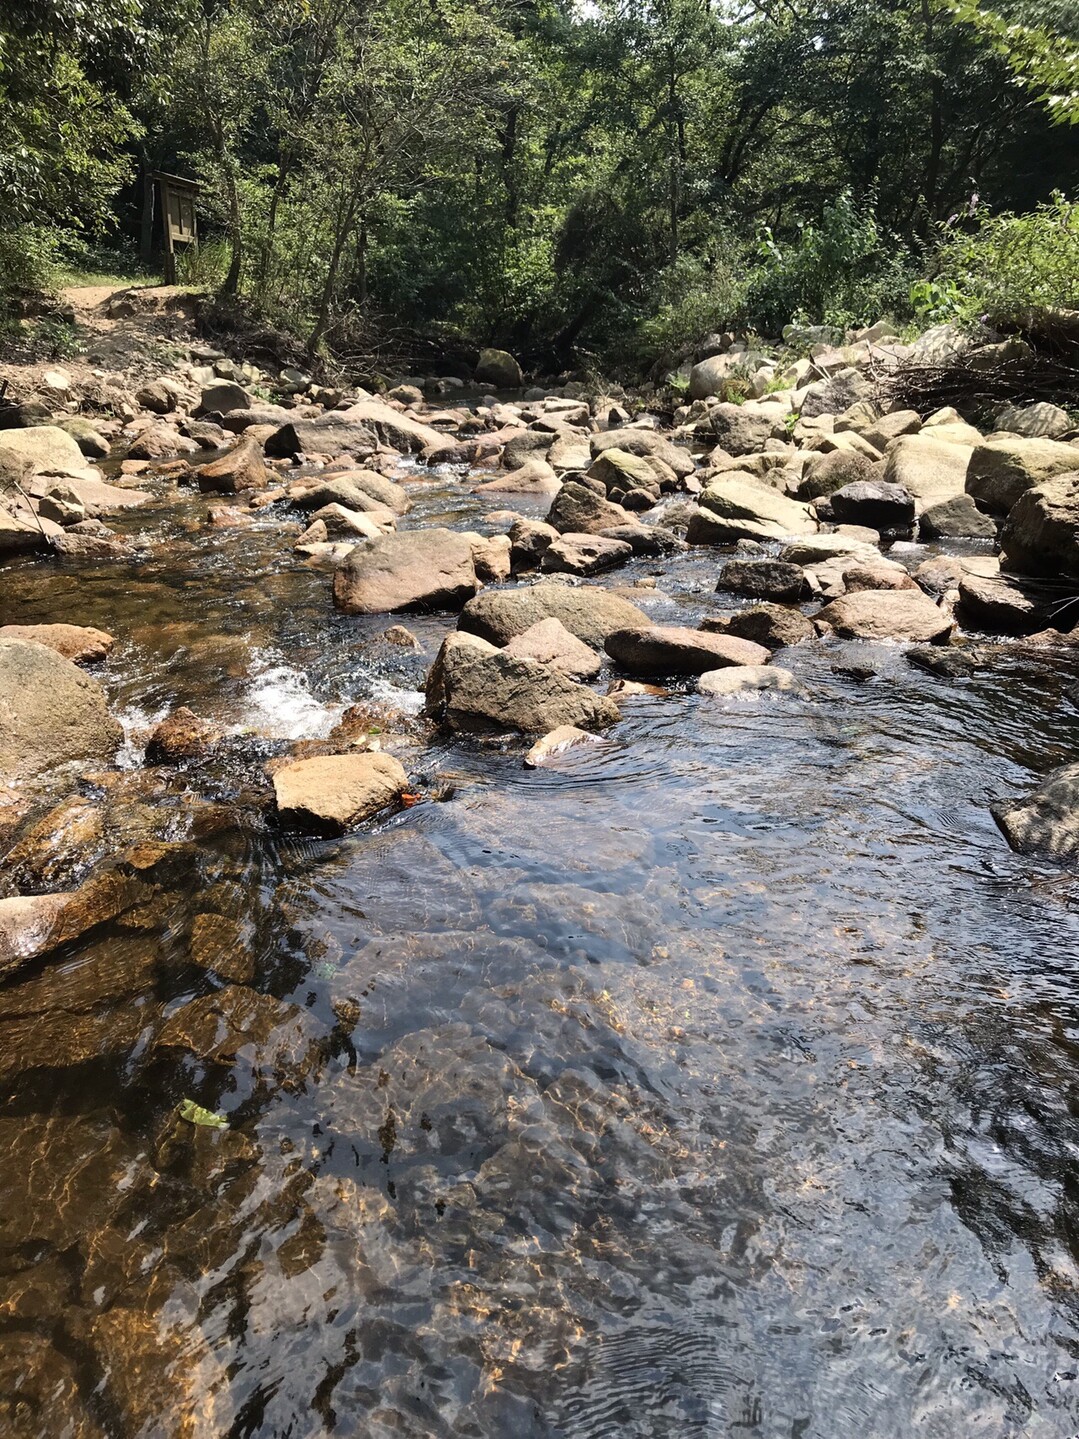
x,y
587,185
692,298
1004,269
1042,58
843,271
195,1114
203,267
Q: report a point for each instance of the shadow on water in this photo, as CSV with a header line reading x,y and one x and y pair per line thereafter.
x,y
718,1081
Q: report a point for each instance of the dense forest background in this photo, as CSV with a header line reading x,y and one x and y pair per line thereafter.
x,y
606,179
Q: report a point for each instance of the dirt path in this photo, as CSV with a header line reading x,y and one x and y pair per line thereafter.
x,y
123,331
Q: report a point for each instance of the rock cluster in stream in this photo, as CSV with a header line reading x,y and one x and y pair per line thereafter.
x,y
802,489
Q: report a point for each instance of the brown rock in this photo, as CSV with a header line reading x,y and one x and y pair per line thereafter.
x,y
906,615
78,643
416,570
587,611
242,468
50,712
183,735
331,792
551,643
674,650
773,626
475,687
584,554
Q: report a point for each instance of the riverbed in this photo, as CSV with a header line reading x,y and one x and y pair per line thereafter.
x,y
718,1079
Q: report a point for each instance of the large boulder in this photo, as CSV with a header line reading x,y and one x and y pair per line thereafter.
x,y
675,650
416,570
584,554
586,611
534,476
634,440
734,507
1041,533
957,518
51,450
826,473
770,625
875,504
475,686
330,435
1007,604
740,430
763,579
1005,467
837,393
905,615
50,713
621,473
1042,419
499,369
529,541
90,441
551,643
223,396
329,793
931,469
580,511
1047,820
709,376
241,468
391,427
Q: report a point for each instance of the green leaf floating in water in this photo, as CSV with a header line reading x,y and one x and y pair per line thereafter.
x,y
195,1114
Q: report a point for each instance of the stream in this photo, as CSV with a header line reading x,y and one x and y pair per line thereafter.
x,y
718,1080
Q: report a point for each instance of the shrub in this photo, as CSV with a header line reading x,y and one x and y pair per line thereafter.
x,y
693,298
844,271
1004,270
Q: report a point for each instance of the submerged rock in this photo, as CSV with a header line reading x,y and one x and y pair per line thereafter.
x,y
556,743
416,570
50,712
474,686
1047,820
328,793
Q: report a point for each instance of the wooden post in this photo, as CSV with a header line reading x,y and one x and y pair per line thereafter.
x,y
178,220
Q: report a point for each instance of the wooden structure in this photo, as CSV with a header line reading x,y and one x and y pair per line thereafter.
x,y
177,217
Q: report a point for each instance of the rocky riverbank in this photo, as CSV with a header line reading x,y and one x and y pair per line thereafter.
x,y
391,781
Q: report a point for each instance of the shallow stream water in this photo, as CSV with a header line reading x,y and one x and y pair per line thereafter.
x,y
720,1080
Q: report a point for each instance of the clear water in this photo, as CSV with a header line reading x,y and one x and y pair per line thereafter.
x,y
718,1081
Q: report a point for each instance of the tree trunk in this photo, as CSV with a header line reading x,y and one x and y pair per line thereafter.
x,y
146,220
344,226
232,279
